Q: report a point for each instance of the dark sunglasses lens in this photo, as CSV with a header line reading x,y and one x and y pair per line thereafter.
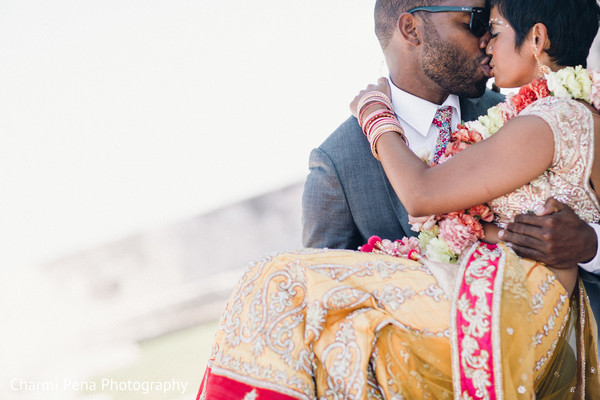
x,y
480,21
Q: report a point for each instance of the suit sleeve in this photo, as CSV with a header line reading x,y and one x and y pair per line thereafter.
x,y
593,266
326,217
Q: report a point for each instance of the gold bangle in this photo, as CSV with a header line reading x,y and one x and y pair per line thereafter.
x,y
385,129
370,95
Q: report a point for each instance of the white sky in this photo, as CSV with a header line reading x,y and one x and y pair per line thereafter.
x,y
120,115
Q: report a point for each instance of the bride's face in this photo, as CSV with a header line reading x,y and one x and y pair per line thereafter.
x,y
511,67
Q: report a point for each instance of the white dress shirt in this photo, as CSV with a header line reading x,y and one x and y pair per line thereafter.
x,y
416,117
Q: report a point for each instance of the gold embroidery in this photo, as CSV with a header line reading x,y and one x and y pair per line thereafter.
x,y
567,180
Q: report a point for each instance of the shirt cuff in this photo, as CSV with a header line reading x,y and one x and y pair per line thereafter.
x,y
593,266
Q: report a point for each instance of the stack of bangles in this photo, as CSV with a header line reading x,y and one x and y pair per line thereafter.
x,y
380,121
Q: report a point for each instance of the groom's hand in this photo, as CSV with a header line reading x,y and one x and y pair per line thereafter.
x,y
555,235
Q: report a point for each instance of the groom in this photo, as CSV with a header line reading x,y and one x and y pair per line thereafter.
x,y
436,61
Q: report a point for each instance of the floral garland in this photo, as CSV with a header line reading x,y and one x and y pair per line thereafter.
x,y
444,237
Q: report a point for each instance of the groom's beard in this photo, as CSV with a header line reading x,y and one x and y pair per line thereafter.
x,y
446,64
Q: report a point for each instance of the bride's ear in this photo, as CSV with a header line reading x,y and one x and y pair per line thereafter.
x,y
539,37
540,45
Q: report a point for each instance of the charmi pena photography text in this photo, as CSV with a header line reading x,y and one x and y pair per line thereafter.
x,y
103,385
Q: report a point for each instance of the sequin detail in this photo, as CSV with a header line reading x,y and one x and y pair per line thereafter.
x,y
567,179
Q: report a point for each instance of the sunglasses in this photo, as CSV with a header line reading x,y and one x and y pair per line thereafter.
x,y
480,16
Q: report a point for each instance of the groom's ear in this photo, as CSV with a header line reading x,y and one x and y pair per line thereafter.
x,y
407,25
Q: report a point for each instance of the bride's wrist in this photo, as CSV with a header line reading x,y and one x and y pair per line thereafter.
x,y
376,118
490,232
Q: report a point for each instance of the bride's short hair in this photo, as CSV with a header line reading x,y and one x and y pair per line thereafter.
x,y
572,25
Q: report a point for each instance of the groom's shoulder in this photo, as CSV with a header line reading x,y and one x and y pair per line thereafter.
x,y
346,140
479,105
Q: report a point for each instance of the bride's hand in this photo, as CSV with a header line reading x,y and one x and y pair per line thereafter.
x,y
382,86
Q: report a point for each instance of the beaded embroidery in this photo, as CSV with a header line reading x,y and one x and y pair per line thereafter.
x,y
567,178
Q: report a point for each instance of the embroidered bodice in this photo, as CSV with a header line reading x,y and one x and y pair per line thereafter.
x,y
567,179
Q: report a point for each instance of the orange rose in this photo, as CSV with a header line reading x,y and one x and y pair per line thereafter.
x,y
465,135
483,212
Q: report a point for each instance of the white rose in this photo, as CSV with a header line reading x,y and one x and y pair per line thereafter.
x,y
478,127
556,87
570,83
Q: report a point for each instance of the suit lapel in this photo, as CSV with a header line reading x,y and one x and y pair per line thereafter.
x,y
471,109
468,109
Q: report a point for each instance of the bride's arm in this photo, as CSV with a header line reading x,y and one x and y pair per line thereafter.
x,y
519,152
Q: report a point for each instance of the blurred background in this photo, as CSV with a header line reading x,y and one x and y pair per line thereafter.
x,y
149,150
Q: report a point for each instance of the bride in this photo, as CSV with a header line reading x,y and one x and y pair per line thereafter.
x,y
368,325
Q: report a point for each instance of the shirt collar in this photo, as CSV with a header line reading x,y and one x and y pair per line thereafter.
x,y
419,113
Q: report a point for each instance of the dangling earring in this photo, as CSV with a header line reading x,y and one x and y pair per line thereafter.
x,y
543,70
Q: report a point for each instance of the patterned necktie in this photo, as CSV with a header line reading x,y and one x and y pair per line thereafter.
x,y
442,119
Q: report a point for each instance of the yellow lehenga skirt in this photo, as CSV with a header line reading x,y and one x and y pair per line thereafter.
x,y
340,324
